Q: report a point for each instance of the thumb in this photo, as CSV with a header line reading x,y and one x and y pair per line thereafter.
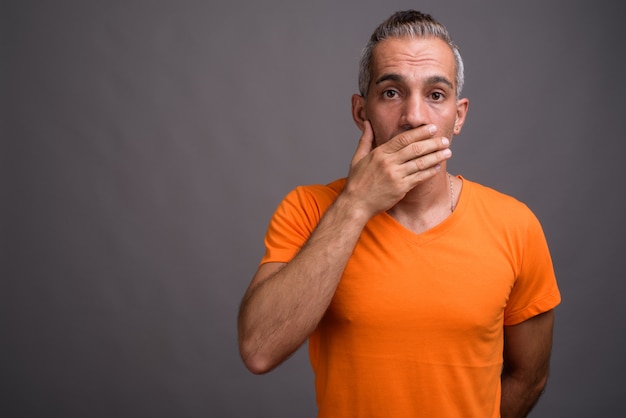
x,y
365,143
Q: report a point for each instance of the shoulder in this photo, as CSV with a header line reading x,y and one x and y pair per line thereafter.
x,y
494,199
314,197
498,207
322,194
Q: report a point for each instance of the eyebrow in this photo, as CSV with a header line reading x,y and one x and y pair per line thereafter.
x,y
435,79
389,77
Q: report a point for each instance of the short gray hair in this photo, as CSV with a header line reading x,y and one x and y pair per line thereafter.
x,y
409,24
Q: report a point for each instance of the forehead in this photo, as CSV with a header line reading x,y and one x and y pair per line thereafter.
x,y
413,57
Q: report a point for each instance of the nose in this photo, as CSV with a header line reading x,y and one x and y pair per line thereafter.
x,y
414,113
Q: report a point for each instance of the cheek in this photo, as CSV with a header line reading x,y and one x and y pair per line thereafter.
x,y
381,133
446,122
383,126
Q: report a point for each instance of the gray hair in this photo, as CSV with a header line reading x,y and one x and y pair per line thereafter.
x,y
410,24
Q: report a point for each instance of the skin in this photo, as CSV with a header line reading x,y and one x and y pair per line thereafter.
x,y
527,349
413,85
407,123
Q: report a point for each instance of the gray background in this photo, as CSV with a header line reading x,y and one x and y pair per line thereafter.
x,y
146,145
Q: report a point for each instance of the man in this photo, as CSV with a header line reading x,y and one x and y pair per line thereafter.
x,y
422,294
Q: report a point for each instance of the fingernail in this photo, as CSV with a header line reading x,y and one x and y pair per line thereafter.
x,y
445,141
432,129
447,152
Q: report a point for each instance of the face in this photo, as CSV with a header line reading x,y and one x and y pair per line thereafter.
x,y
413,83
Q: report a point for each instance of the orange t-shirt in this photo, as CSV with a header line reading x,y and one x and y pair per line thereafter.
x,y
415,328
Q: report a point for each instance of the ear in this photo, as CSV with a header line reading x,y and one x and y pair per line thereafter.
x,y
358,111
461,112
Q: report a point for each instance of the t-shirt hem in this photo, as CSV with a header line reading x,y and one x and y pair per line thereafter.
x,y
538,307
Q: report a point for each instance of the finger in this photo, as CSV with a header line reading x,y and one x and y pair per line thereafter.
x,y
421,148
365,143
420,176
428,164
411,136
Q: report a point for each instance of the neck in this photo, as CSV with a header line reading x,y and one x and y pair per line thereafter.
x,y
427,205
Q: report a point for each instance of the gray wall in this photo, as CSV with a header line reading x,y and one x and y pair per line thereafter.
x,y
146,145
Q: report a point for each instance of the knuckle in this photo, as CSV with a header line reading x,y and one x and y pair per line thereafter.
x,y
417,148
404,139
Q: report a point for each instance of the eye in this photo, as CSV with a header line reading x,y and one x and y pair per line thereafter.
x,y
437,96
390,94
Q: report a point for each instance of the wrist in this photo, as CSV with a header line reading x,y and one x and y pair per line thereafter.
x,y
352,208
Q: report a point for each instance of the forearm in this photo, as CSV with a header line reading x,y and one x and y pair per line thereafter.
x,y
278,314
282,308
527,349
519,395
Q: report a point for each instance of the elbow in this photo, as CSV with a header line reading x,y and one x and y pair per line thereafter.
x,y
256,363
540,384
533,383
251,352
254,359
529,387
537,383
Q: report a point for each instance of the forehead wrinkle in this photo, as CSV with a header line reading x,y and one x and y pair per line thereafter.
x,y
407,54
392,63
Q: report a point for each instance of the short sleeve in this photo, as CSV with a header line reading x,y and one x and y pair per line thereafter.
x,y
294,220
535,289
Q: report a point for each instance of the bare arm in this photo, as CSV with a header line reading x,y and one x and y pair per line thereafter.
x,y
527,349
285,302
